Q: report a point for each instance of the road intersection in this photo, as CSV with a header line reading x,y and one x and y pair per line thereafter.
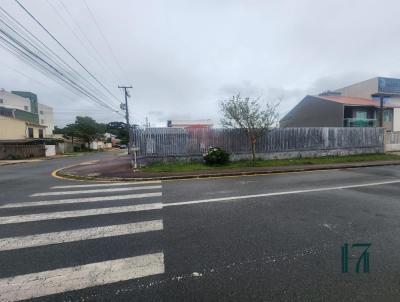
x,y
259,238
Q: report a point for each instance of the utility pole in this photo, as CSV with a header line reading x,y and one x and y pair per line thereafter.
x,y
381,110
381,96
125,106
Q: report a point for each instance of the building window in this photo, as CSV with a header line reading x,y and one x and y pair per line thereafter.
x,y
26,108
30,132
41,112
387,116
362,115
1,101
42,122
40,133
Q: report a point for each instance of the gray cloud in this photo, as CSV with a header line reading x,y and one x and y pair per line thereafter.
x,y
182,57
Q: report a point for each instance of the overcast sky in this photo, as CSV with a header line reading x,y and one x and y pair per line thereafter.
x,y
182,57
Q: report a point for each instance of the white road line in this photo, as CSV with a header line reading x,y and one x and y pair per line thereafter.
x,y
79,277
240,197
79,213
95,191
108,184
20,242
78,200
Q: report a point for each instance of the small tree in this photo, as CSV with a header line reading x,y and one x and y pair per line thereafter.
x,y
70,130
87,129
118,129
254,118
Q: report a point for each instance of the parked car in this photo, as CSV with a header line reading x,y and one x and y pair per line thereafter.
x,y
122,146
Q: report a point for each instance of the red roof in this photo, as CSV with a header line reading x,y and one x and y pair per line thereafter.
x,y
349,100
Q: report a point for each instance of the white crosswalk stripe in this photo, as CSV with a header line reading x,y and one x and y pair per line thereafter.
x,y
60,280
95,191
108,184
20,242
78,200
79,277
78,213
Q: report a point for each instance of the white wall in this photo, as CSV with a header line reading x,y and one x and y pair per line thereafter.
x,y
46,118
10,100
50,150
362,89
396,119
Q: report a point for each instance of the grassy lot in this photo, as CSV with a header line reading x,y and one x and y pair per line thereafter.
x,y
193,166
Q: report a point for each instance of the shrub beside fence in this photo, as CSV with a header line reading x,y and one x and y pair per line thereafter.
x,y
21,151
162,143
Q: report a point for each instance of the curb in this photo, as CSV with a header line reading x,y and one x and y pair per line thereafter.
x,y
19,163
63,175
37,160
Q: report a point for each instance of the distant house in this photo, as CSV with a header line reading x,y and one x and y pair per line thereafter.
x,y
25,106
357,105
371,88
14,129
190,123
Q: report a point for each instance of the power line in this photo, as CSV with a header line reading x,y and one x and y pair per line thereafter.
x,y
104,38
59,43
19,49
25,57
57,111
44,59
33,39
68,26
42,49
102,61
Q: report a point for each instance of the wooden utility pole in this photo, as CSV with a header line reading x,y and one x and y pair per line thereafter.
x,y
128,125
381,110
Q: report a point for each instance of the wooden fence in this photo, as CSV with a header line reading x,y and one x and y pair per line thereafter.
x,y
21,151
163,142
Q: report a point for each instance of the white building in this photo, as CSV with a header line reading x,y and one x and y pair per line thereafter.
x,y
43,114
13,101
46,118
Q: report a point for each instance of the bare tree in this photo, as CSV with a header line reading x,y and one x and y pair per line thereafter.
x,y
251,116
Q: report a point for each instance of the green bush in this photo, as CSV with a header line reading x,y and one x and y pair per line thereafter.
x,y
216,156
14,157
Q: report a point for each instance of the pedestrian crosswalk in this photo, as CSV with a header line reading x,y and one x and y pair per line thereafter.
x,y
27,226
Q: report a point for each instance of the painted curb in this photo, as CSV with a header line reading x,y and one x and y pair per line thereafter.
x,y
63,175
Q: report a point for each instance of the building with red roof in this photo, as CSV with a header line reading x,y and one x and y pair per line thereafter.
x,y
194,124
357,105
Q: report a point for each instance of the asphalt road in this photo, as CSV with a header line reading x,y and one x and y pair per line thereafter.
x,y
199,240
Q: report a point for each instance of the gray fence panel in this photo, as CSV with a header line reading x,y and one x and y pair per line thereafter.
x,y
393,138
189,142
8,151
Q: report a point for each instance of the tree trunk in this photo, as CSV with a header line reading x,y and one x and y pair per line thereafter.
x,y
253,148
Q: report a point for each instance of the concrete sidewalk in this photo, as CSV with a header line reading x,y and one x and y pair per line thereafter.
x,y
118,168
7,162
19,161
